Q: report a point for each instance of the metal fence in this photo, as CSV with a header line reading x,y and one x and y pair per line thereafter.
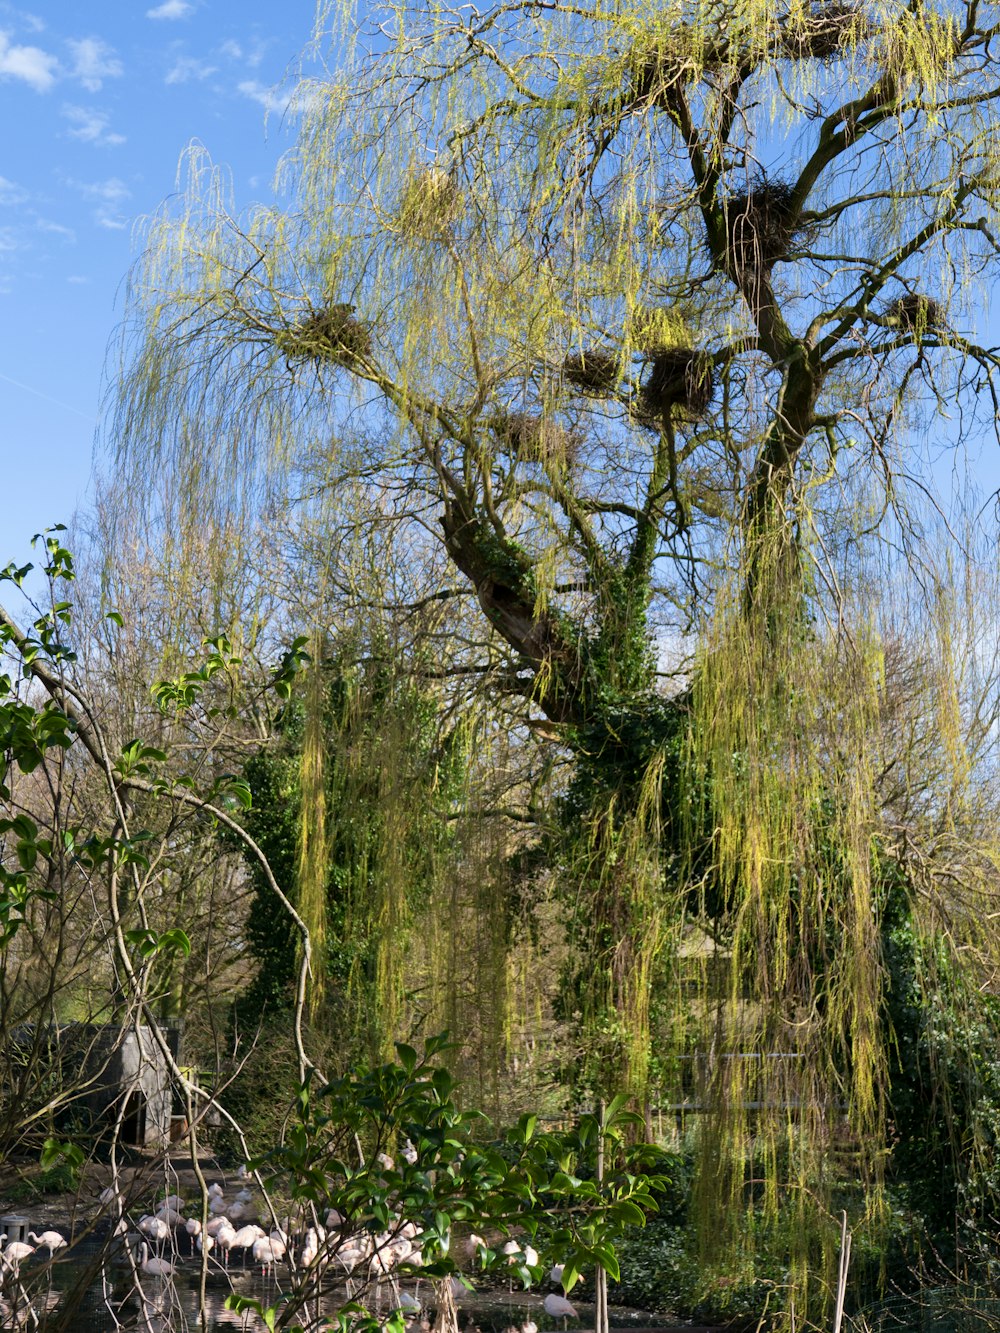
x,y
933,1310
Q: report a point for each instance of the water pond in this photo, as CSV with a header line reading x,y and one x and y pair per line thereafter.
x,y
89,1292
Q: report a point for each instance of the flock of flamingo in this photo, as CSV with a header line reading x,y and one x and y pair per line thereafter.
x,y
232,1225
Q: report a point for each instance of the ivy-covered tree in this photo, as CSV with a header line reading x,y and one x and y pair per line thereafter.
x,y
381,776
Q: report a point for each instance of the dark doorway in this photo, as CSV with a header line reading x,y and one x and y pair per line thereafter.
x,y
134,1120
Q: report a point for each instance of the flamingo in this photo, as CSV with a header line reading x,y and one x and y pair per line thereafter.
x,y
242,1212
154,1227
217,1224
171,1201
351,1257
193,1227
402,1250
513,1252
48,1240
15,1252
558,1307
473,1245
204,1244
555,1274
224,1238
267,1252
310,1248
246,1237
155,1267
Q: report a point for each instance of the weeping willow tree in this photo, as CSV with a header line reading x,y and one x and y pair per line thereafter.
x,y
647,315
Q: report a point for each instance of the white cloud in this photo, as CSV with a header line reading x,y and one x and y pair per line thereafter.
x,y
271,99
91,127
249,54
8,240
93,62
187,68
11,193
275,100
31,64
112,190
108,196
171,9
78,279
55,229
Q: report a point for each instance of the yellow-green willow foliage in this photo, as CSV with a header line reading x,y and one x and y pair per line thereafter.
x,y
843,851
623,917
794,1049
313,847
375,789
485,960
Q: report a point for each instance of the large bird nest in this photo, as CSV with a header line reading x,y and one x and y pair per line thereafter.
x,y
826,31
915,312
761,224
595,371
331,334
534,438
679,377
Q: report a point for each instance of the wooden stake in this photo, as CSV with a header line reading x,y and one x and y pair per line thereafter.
x,y
845,1259
601,1277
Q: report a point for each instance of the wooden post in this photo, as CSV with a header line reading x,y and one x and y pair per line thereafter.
x,y
845,1259
600,1277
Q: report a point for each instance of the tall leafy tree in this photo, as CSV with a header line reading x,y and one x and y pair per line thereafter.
x,y
640,315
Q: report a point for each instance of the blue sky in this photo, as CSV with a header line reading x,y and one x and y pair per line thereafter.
x,y
99,102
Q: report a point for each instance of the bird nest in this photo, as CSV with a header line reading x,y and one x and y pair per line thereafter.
x,y
824,32
595,371
915,313
332,334
536,438
679,377
761,224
